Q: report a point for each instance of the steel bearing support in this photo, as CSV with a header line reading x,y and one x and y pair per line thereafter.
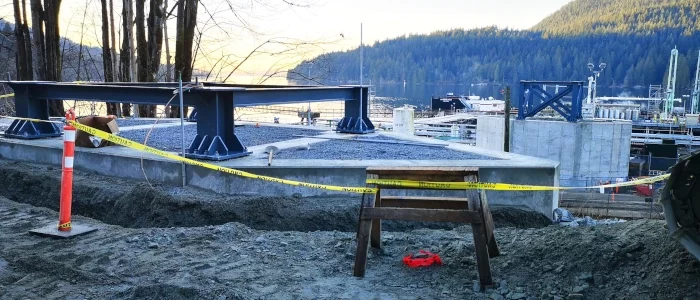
x,y
216,138
28,107
356,119
534,98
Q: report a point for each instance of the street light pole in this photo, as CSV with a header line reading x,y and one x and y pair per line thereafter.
x,y
308,117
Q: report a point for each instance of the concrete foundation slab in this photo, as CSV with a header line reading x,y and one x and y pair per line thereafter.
x,y
126,163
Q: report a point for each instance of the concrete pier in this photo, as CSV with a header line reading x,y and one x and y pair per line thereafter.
x,y
588,151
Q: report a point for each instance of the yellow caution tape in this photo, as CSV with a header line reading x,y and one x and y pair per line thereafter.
x,y
503,186
140,147
361,190
33,120
64,225
7,95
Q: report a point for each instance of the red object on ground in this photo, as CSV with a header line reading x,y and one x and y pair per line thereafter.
x,y
644,190
67,176
427,259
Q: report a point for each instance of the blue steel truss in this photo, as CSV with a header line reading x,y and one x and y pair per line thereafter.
x,y
214,105
534,98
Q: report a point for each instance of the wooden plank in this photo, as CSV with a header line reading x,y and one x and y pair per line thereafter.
x,y
361,253
600,203
488,226
420,170
423,177
425,202
425,215
483,264
376,235
363,233
454,199
433,204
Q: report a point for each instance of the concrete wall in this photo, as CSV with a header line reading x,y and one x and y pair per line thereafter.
x,y
170,173
489,133
587,151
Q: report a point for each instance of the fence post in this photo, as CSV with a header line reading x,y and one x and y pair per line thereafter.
x,y
65,228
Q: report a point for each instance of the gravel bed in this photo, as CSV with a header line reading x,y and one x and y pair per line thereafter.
x,y
338,149
137,122
168,139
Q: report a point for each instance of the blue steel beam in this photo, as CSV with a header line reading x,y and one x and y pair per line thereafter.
x,y
214,103
251,97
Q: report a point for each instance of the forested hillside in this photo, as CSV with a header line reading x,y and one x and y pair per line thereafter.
x,y
492,55
623,16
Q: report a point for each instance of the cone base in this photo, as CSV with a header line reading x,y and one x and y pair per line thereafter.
x,y
52,231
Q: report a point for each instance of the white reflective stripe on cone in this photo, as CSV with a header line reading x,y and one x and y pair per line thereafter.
x,y
68,162
69,135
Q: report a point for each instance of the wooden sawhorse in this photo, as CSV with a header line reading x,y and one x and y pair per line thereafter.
x,y
473,210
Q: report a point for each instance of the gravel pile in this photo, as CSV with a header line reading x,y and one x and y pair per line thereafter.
x,y
338,149
168,139
137,122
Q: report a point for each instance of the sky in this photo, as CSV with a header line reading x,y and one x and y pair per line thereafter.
x,y
327,25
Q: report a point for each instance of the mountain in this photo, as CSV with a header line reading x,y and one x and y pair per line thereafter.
x,y
622,16
549,51
79,63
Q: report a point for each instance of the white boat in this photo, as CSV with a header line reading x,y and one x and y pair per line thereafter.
x,y
467,103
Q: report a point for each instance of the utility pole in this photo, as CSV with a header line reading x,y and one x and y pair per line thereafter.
x,y
506,128
593,88
311,64
360,121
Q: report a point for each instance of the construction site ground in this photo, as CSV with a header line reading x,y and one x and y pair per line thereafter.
x,y
159,242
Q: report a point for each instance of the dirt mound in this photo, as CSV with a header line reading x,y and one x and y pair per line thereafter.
x,y
136,204
174,292
632,260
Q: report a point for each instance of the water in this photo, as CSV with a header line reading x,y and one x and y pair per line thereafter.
x,y
395,95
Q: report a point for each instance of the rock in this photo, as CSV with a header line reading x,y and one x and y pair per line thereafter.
x,y
504,265
284,244
517,296
338,245
631,248
559,269
132,239
598,279
297,196
153,245
496,296
588,276
503,284
579,289
633,289
349,255
475,286
260,239
573,296
587,221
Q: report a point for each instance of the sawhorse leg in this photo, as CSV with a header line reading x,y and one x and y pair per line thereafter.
x,y
376,235
482,254
363,235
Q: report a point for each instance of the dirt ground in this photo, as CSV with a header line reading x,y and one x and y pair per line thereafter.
x,y
175,243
